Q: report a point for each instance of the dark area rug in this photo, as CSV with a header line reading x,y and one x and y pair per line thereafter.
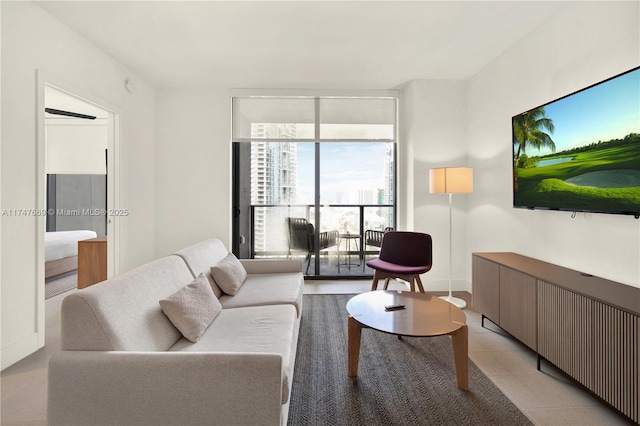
x,y
400,382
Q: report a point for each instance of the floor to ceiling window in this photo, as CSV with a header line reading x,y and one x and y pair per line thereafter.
x,y
312,177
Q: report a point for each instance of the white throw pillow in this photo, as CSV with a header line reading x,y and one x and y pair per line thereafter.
x,y
192,308
229,274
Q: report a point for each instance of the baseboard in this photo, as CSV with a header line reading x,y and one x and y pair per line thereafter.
x,y
443,285
19,350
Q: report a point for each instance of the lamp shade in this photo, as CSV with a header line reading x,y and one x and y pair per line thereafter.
x,y
451,180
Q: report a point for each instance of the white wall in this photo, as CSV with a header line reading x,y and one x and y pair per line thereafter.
x,y
193,168
589,43
433,134
32,40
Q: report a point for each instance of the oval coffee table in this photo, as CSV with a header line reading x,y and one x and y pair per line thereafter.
x,y
424,315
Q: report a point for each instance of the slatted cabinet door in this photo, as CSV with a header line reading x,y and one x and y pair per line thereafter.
x,y
518,305
564,331
486,288
615,348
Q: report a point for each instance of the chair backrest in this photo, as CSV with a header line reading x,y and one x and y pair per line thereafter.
x,y
328,239
406,248
374,237
300,233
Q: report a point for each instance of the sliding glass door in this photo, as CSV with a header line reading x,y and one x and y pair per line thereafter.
x,y
311,198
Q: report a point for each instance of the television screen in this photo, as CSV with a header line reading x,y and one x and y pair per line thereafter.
x,y
581,152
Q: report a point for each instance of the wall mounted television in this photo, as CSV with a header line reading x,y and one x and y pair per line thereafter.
x,y
581,152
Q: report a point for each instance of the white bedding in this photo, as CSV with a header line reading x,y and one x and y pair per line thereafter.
x,y
61,244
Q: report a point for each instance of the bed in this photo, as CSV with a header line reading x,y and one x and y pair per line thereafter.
x,y
61,252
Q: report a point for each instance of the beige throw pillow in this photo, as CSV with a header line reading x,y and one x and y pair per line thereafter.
x,y
229,274
192,308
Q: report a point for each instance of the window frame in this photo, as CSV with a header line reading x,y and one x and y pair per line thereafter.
x,y
391,96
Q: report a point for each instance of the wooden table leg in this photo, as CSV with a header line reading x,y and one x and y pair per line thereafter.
x,y
354,332
460,341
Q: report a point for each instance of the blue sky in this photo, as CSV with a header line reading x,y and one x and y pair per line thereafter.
x,y
344,167
603,112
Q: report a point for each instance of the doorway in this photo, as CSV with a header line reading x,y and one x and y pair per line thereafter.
x,y
77,185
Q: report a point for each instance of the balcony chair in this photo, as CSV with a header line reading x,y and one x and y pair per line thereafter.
x,y
302,238
372,238
403,255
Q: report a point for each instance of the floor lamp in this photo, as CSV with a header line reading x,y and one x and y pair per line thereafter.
x,y
451,180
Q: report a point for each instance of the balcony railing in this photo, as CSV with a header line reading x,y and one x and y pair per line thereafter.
x,y
270,235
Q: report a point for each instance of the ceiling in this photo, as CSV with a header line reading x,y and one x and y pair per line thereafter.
x,y
301,44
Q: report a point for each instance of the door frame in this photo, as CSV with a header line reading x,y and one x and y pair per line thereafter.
x,y
113,183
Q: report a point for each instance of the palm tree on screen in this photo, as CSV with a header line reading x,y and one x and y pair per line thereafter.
x,y
529,132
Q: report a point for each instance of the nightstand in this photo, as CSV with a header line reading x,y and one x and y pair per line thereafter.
x,y
92,261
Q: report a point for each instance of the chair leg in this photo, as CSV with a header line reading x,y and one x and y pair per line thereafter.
x,y
374,284
419,281
308,263
386,283
412,285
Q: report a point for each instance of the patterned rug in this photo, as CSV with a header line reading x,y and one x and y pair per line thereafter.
x,y
61,285
400,382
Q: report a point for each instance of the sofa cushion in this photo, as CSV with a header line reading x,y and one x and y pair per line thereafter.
x,y
192,308
202,256
268,289
229,274
122,313
264,329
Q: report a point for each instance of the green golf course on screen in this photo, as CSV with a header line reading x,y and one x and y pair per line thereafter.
x,y
581,152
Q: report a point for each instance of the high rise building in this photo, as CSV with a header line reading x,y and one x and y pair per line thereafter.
x,y
273,182
389,189
388,175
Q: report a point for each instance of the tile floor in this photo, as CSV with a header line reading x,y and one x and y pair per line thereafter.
x,y
546,397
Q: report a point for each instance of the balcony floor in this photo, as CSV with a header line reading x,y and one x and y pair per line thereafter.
x,y
349,266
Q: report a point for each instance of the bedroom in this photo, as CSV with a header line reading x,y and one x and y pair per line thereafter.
x,y
76,140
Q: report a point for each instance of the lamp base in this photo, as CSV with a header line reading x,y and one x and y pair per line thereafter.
x,y
455,301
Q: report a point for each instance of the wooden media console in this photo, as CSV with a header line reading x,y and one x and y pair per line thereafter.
x,y
587,326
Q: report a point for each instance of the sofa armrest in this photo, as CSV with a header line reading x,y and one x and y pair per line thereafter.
x,y
271,266
160,388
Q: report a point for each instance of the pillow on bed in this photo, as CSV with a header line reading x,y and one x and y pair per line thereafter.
x,y
192,308
229,274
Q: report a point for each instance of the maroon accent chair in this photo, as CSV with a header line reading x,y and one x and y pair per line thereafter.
x,y
403,255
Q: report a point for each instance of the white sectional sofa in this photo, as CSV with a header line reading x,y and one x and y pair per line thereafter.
x,y
123,362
